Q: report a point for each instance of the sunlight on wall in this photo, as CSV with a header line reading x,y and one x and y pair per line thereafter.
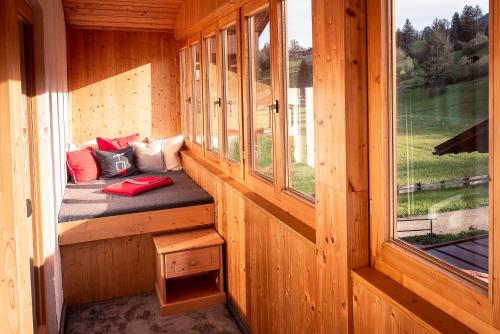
x,y
118,105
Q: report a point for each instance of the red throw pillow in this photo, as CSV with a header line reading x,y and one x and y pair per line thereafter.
x,y
138,185
82,165
106,144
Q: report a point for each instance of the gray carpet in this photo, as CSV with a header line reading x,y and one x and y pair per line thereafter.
x,y
141,314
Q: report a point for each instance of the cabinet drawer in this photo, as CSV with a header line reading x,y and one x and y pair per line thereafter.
x,y
192,262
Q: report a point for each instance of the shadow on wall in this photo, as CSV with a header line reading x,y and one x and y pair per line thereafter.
x,y
122,82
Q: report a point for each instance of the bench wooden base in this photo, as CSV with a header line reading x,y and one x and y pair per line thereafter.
x,y
135,223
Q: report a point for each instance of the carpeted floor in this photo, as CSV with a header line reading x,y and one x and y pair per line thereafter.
x,y
141,314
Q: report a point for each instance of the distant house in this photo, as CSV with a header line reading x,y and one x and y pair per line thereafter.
x,y
474,139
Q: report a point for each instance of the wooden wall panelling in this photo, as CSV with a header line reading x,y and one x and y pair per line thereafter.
x,y
381,305
339,53
123,82
119,14
16,247
271,268
194,15
105,269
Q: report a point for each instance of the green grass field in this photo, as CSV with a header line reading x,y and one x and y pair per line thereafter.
x,y
425,121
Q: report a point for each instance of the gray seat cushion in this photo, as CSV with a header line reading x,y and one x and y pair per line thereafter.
x,y
87,201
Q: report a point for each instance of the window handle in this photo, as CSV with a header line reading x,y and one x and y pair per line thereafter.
x,y
273,107
188,100
218,102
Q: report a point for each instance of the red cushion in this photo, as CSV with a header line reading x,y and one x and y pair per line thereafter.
x,y
106,144
138,185
82,165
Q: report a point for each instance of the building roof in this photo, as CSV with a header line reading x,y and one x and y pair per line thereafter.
x,y
471,140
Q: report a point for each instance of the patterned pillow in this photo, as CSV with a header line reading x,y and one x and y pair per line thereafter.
x,y
116,163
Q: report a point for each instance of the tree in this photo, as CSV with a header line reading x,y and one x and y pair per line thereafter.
x,y
438,57
295,49
456,30
470,21
404,66
408,36
304,77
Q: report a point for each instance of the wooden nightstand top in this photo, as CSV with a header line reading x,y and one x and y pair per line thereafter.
x,y
187,240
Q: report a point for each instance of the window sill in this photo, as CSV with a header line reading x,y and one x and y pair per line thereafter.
x,y
418,309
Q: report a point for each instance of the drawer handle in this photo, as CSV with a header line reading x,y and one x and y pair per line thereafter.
x,y
193,263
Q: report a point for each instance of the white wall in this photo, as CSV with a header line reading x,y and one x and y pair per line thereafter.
x,y
52,113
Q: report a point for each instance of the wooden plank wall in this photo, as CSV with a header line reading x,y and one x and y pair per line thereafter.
x,y
382,306
15,286
341,220
271,268
122,82
96,270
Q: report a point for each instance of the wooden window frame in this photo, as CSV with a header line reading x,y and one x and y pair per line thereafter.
x,y
283,61
183,47
234,168
212,31
274,190
192,41
459,296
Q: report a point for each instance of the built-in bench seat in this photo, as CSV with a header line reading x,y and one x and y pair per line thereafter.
x,y
88,214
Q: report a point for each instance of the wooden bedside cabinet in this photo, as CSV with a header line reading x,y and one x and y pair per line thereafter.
x,y
189,270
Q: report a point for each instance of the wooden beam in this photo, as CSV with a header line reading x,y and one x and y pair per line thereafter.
x,y
136,223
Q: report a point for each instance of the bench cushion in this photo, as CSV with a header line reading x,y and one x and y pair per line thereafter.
x,y
87,201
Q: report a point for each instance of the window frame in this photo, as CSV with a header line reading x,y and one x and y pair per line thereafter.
x,y
284,98
184,104
429,279
234,168
212,31
199,147
249,13
273,190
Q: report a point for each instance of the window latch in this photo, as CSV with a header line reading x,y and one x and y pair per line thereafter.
x,y
188,100
274,107
218,102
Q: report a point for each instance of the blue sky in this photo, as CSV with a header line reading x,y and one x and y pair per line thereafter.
x,y
299,23
422,12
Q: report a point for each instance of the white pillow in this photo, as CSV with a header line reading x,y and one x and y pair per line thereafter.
x,y
171,148
149,156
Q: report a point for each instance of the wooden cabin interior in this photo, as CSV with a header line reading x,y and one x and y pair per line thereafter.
x,y
249,166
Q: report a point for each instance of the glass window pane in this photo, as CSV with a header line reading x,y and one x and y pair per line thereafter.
x,y
196,89
441,130
184,96
300,106
231,94
213,107
261,94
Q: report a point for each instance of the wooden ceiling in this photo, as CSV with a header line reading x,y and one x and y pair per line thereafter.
x,y
122,14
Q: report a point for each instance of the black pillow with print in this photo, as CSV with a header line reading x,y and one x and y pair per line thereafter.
x,y
116,163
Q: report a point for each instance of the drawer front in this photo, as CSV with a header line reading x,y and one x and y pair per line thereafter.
x,y
192,262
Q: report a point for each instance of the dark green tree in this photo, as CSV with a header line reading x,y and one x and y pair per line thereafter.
x,y
438,55
304,77
456,30
408,36
470,21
